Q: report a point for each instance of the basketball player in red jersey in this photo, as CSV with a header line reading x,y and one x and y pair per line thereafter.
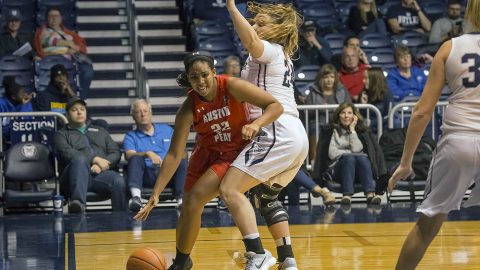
x,y
215,107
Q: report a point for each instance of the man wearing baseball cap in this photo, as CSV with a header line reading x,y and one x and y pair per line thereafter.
x,y
312,50
87,157
58,92
11,38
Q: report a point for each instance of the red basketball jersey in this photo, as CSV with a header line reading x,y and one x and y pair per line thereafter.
x,y
219,123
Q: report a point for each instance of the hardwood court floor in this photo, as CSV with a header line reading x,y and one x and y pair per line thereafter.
x,y
317,246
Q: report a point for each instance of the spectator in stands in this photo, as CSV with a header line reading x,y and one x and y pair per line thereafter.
x,y
351,72
376,90
55,39
405,79
407,16
364,18
304,180
58,92
350,42
16,99
145,148
312,50
11,38
87,157
354,154
450,26
326,89
232,66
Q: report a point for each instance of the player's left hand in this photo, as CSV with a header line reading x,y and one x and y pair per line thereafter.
x,y
145,211
401,173
249,131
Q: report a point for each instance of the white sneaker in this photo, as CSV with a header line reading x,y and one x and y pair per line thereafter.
x,y
259,261
288,264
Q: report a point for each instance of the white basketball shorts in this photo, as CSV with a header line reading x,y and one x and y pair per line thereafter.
x,y
277,153
454,168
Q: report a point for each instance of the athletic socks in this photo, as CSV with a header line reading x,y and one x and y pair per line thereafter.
x,y
284,248
136,192
253,243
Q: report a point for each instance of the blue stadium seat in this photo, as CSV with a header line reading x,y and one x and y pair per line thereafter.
x,y
301,4
26,7
17,66
410,39
211,10
382,58
335,41
434,9
385,6
327,21
217,44
306,73
15,63
344,9
319,11
372,41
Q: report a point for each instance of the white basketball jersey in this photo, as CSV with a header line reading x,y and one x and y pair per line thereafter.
x,y
462,71
274,74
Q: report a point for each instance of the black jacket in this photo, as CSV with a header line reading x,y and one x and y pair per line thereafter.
x,y
8,44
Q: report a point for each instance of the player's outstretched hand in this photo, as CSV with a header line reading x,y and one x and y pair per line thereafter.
x,y
143,213
401,173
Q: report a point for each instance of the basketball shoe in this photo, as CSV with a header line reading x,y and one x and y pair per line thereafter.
x,y
288,264
259,261
187,266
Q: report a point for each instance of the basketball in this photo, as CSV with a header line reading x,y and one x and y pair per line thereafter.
x,y
147,258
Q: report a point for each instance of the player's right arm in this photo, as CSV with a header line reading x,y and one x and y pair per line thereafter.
x,y
422,113
183,121
249,38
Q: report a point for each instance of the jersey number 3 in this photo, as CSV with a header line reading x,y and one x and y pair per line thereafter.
x,y
475,69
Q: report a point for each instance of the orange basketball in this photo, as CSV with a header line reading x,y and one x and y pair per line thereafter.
x,y
147,258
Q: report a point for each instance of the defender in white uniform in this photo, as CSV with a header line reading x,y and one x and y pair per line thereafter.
x,y
455,164
278,153
273,158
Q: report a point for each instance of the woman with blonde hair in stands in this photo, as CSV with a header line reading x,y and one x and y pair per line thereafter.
x,y
454,166
364,18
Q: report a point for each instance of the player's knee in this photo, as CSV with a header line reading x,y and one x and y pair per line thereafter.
x,y
274,213
266,200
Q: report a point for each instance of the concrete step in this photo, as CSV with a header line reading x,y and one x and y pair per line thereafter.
x,y
101,4
113,66
164,64
113,83
127,101
109,49
103,19
164,48
158,18
154,4
106,33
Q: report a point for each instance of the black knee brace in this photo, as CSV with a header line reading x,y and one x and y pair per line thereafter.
x,y
266,200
